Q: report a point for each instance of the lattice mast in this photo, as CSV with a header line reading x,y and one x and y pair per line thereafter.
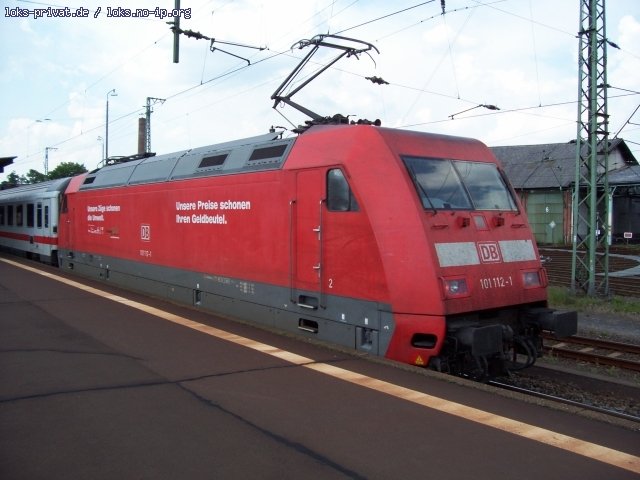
x,y
591,194
148,111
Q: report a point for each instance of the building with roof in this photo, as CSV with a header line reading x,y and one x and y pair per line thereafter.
x,y
5,162
544,175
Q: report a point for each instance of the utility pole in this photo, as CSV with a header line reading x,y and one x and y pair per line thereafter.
x,y
176,34
148,123
591,193
46,159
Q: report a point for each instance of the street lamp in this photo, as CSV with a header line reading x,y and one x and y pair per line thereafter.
x,y
112,93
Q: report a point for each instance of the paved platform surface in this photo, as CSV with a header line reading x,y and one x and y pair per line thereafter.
x,y
100,383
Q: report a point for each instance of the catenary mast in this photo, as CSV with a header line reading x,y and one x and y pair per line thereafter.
x,y
591,194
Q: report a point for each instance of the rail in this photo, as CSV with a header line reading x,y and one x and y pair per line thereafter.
x,y
566,401
558,266
591,350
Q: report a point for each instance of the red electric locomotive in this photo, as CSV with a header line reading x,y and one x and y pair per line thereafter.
x,y
408,245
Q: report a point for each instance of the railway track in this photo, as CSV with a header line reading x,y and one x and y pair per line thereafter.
x,y
601,352
560,398
572,386
558,266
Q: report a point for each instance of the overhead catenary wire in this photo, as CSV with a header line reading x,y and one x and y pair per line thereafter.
x,y
453,63
442,59
383,17
432,17
627,122
535,51
485,114
503,111
491,113
99,80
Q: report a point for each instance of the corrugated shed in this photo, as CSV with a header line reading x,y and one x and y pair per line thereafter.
x,y
550,165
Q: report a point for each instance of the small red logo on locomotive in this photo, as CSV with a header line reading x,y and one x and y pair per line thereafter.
x,y
489,252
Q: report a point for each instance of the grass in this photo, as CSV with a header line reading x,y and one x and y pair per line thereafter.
x,y
562,298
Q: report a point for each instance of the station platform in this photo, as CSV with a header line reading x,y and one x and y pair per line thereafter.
x,y
97,382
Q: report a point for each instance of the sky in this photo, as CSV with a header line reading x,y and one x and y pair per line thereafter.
x,y
521,56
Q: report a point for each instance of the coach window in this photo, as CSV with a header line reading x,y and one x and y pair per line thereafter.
x,y
39,216
9,214
19,215
1,214
339,195
46,216
30,215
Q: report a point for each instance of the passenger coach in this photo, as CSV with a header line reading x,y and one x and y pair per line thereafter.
x,y
29,219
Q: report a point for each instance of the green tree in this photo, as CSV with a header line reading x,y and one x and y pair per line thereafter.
x,y
13,180
66,169
34,176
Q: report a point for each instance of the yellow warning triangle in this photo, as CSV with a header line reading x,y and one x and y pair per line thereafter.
x,y
419,361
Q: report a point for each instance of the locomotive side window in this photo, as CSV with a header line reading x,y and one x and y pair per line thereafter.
x,y
459,185
213,161
339,195
267,152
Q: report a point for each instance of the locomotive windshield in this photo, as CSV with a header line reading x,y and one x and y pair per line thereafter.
x,y
459,185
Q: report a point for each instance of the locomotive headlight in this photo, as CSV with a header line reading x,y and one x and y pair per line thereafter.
x,y
455,287
531,279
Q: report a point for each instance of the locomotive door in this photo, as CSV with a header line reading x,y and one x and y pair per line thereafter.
x,y
65,227
306,246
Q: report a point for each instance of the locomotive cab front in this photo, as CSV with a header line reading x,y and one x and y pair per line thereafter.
x,y
492,283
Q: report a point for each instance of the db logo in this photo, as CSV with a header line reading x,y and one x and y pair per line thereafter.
x,y
145,232
489,252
